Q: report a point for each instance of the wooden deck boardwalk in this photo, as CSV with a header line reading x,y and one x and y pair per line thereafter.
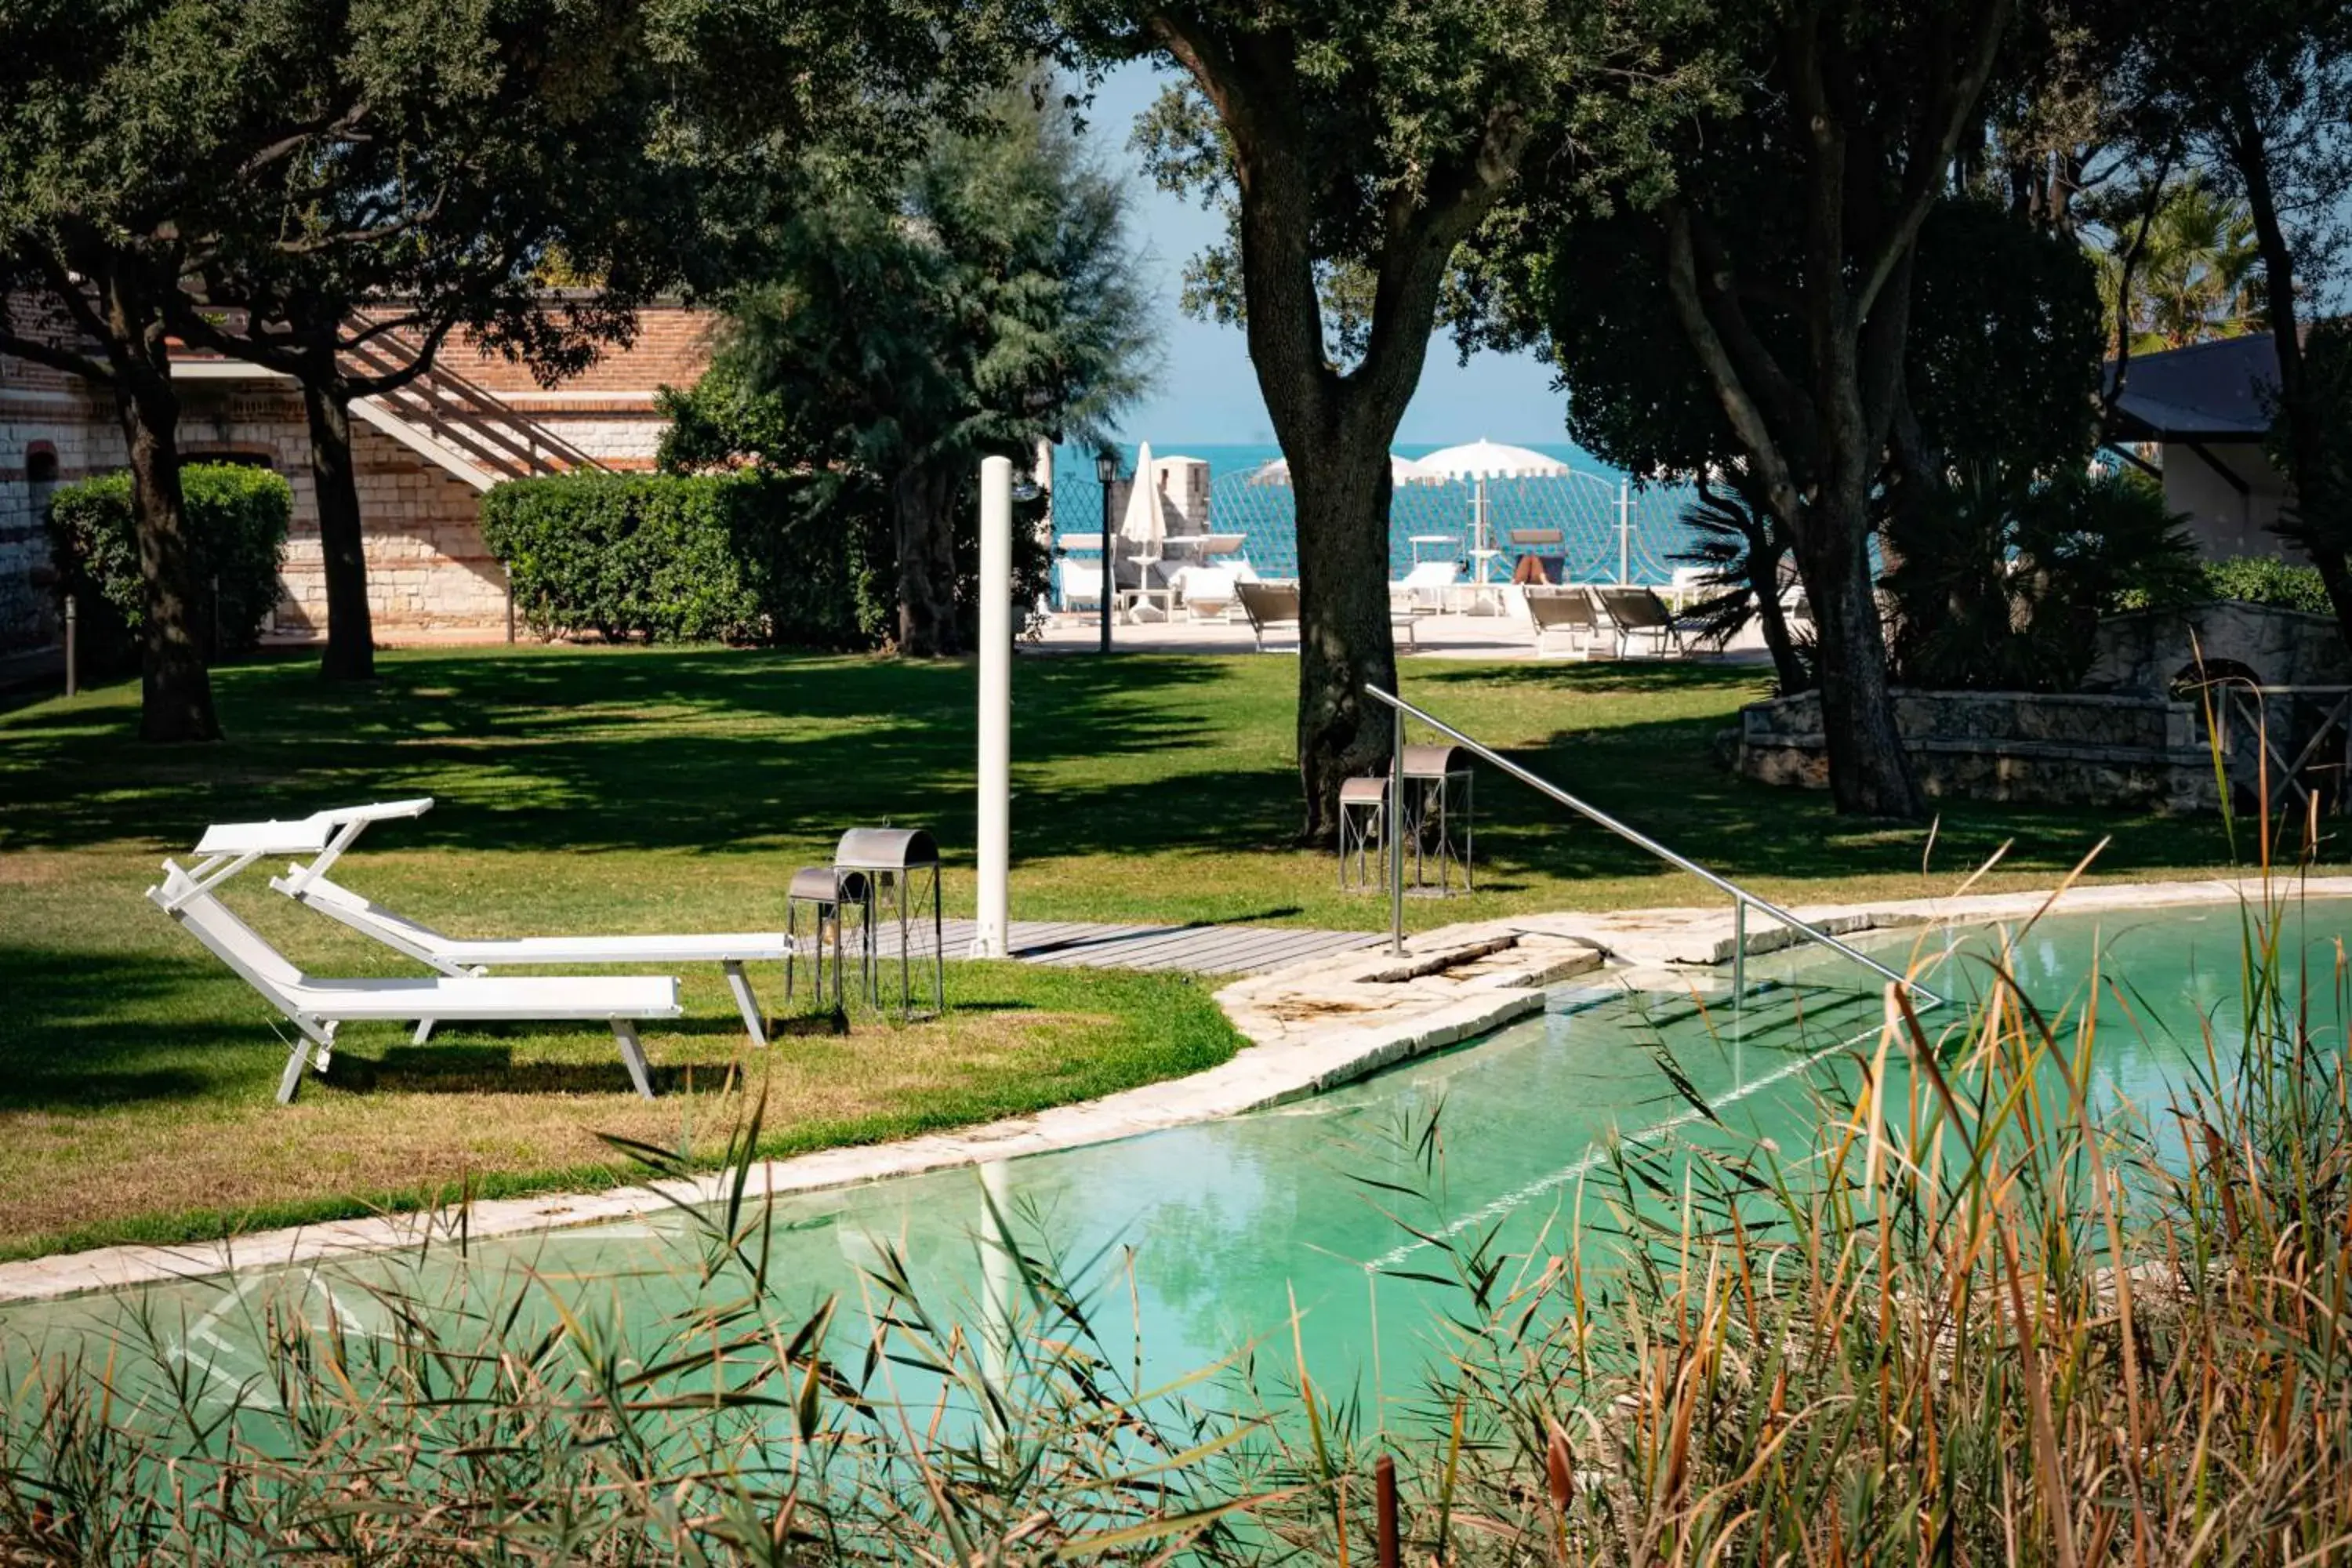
x,y
1196,949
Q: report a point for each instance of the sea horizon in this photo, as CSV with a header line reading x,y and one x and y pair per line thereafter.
x,y
1575,519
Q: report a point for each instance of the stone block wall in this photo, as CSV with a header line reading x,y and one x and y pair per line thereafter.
x,y
51,432
428,570
2147,650
2136,753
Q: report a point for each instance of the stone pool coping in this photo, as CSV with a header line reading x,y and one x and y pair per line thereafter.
x,y
1311,1027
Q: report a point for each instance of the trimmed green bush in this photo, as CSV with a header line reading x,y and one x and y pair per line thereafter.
x,y
2264,580
2249,580
237,517
744,558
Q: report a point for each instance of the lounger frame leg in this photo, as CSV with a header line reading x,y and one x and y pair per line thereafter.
x,y
633,1056
424,1032
290,1082
740,983
313,1036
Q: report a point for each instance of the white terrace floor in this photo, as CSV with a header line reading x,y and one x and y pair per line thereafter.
x,y
1486,636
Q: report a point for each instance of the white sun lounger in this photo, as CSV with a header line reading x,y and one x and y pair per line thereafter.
x,y
317,1007
324,836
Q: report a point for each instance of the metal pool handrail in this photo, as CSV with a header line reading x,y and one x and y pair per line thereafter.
x,y
1741,898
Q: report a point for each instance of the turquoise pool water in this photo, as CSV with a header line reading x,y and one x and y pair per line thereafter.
x,y
1205,1235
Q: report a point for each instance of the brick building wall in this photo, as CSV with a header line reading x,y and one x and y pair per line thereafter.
x,y
52,431
429,574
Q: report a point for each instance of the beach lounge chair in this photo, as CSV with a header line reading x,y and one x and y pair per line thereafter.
x,y
317,1007
1207,591
1422,591
1078,582
1564,610
1636,611
1269,606
326,835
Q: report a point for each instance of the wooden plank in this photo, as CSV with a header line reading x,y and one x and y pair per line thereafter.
x,y
1218,949
1142,941
1099,948
1027,937
1079,945
1262,949
1297,952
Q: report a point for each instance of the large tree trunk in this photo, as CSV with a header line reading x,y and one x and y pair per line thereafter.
x,y
929,627
1341,487
2322,522
343,547
1870,773
175,687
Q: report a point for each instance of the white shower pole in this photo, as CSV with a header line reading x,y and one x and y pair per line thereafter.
x,y
995,706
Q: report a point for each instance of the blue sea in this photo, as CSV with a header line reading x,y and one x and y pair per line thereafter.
x,y
1426,523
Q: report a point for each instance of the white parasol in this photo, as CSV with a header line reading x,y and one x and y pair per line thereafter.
x,y
1479,462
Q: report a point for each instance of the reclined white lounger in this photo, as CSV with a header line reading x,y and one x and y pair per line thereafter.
x,y
325,835
317,1007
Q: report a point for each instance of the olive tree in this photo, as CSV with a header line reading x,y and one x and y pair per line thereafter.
x,y
1353,149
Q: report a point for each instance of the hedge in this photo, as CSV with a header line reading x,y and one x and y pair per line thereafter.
x,y
2265,580
733,558
237,517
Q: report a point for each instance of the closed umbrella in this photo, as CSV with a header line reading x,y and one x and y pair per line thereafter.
x,y
1478,461
1143,526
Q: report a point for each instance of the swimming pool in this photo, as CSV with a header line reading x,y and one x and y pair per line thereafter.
x,y
1204,1236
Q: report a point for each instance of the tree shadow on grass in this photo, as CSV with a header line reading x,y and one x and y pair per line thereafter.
x,y
699,748
85,1031
1661,778
724,751
1636,675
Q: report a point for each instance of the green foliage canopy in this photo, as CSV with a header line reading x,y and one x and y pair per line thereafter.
x,y
985,303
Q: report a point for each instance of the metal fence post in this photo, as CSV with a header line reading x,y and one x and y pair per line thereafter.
x,y
1625,533
1738,950
73,633
1391,832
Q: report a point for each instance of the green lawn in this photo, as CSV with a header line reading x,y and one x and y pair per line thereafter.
x,y
644,790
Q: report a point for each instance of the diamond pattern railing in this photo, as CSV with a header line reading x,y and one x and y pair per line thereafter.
x,y
1581,508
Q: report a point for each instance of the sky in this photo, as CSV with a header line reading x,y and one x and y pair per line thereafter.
x,y
1207,394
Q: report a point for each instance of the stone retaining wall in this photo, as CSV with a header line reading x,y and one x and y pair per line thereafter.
x,y
2146,651
2135,751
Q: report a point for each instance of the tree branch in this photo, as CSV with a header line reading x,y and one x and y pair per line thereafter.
x,y
1747,420
2112,393
1924,180
1250,84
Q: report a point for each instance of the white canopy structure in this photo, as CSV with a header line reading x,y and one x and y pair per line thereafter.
x,y
1479,462
1402,471
1483,459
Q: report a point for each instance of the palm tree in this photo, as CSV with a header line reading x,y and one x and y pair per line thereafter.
x,y
2194,279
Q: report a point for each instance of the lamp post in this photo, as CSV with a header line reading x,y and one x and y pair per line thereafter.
x,y
1106,471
